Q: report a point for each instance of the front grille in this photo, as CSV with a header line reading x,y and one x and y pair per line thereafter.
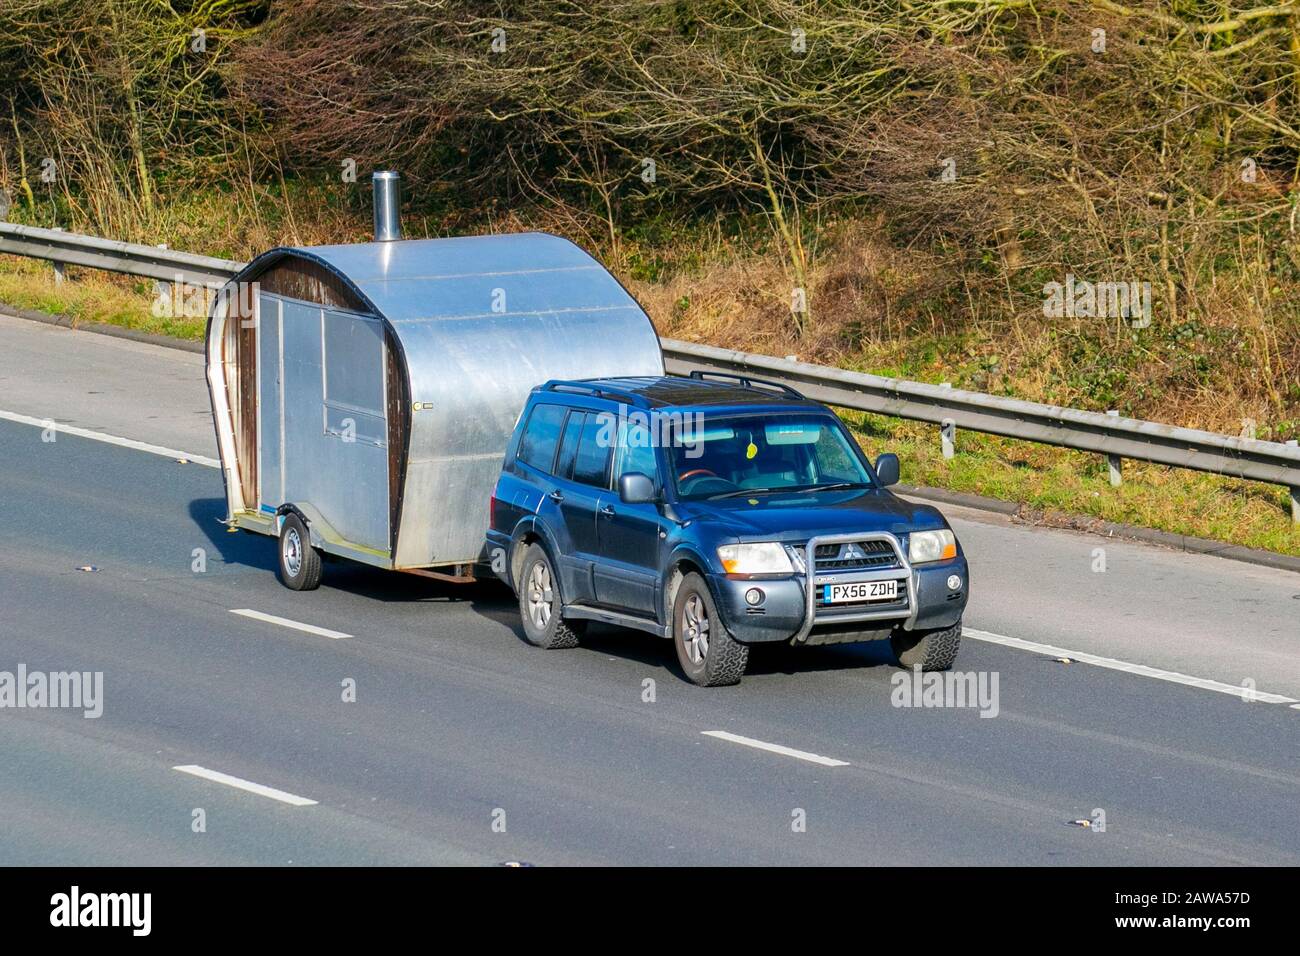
x,y
867,555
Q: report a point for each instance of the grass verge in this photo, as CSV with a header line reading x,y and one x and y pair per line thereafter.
x,y
90,296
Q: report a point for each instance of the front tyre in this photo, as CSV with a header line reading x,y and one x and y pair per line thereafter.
x,y
300,566
709,655
930,650
539,603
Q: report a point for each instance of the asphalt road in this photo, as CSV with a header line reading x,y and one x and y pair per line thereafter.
x,y
465,745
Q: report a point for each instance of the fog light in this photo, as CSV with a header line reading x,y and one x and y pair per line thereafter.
x,y
954,582
754,597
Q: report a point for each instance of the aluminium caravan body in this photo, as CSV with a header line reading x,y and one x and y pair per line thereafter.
x,y
364,394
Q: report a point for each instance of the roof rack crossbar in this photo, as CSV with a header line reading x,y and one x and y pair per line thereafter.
x,y
601,391
747,381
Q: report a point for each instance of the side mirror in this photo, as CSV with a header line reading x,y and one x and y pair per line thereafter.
x,y
634,488
887,469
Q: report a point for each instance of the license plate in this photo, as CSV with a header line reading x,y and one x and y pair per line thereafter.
x,y
860,591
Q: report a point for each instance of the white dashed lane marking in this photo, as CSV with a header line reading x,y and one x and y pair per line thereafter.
x,y
285,622
775,748
247,785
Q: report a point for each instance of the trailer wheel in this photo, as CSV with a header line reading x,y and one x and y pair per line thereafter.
x,y
540,605
300,565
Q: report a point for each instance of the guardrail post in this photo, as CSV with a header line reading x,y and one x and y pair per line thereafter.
x,y
1295,491
947,431
164,293
60,270
1114,464
948,437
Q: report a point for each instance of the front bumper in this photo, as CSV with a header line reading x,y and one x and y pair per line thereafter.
x,y
791,612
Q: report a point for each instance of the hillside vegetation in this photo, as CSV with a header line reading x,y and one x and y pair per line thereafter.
x,y
890,185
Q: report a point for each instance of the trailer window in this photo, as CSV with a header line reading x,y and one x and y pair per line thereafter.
x,y
541,435
354,363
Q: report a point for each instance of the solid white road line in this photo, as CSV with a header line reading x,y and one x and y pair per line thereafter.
x,y
218,777
1141,670
285,622
110,439
775,748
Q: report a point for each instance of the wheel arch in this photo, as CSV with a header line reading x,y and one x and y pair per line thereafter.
x,y
683,561
531,530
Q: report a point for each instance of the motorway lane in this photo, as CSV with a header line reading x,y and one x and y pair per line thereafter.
x,y
132,389
456,716
1194,614
77,800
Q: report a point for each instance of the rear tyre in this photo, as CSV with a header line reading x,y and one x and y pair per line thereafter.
x,y
540,606
709,655
300,565
930,650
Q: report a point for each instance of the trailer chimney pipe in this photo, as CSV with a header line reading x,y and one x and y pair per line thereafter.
x,y
388,205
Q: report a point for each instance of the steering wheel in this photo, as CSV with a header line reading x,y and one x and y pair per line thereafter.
x,y
696,471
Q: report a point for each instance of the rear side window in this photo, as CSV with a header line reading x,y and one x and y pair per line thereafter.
x,y
541,435
592,464
569,443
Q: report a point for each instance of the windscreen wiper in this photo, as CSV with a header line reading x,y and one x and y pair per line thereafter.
x,y
745,491
832,486
791,489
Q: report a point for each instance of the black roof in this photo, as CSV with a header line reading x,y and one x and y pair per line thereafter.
x,y
672,390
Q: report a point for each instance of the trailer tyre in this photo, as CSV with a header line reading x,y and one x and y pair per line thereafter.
x,y
540,605
930,650
300,564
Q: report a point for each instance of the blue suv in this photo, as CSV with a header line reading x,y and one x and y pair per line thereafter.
x,y
721,512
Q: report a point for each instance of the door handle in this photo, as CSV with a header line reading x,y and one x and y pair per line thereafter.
x,y
556,496
607,511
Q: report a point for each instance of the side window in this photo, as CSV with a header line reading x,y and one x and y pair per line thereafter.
x,y
354,362
636,452
834,460
353,378
592,464
541,435
569,443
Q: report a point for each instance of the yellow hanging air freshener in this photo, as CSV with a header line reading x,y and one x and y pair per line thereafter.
x,y
751,451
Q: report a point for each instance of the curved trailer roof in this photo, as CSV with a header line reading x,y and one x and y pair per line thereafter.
x,y
478,322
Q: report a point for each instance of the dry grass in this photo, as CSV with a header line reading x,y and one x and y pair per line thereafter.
x,y
89,296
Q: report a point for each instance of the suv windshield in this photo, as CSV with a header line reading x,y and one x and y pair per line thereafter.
x,y
751,454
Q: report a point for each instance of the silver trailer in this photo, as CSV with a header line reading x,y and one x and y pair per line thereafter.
x,y
370,390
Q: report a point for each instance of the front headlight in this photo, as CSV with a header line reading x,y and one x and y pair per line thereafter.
x,y
763,557
923,546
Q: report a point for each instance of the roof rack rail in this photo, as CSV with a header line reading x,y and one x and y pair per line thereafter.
x,y
600,391
746,381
